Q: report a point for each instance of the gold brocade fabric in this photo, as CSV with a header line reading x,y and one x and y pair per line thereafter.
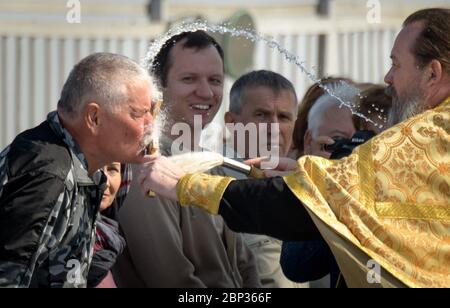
x,y
202,190
391,197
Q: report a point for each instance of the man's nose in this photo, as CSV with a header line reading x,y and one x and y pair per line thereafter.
x,y
108,181
388,77
148,119
204,89
273,120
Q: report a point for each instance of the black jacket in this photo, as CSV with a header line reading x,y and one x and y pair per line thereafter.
x,y
48,208
266,207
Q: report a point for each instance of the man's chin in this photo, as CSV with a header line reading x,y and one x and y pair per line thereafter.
x,y
393,119
137,158
402,111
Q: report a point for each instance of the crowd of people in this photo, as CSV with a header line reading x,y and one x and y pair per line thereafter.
x,y
347,190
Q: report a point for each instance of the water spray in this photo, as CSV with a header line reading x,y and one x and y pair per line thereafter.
x,y
252,36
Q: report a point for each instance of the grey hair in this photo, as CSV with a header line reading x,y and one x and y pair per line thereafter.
x,y
319,108
323,103
261,78
100,77
345,91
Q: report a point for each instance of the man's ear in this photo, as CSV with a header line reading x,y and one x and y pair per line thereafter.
x,y
91,116
435,72
307,141
230,118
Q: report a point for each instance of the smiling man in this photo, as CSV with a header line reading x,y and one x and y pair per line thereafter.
x,y
192,77
170,246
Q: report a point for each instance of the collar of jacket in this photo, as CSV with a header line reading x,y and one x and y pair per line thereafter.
x,y
79,160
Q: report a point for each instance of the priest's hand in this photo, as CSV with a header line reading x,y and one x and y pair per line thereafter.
x,y
160,176
284,167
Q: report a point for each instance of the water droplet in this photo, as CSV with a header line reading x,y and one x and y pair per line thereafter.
x,y
155,47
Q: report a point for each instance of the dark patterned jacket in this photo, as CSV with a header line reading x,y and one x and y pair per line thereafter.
x,y
48,209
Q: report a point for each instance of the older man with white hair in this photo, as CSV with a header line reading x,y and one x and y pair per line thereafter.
x,y
328,120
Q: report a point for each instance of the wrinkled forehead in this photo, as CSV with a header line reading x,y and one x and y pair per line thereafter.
x,y
257,95
140,87
336,115
406,39
329,117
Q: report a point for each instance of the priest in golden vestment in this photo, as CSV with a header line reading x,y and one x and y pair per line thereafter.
x,y
384,210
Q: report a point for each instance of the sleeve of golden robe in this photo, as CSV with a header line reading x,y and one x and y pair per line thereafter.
x,y
390,198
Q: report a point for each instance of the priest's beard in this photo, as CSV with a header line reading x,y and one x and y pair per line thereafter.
x,y
403,109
